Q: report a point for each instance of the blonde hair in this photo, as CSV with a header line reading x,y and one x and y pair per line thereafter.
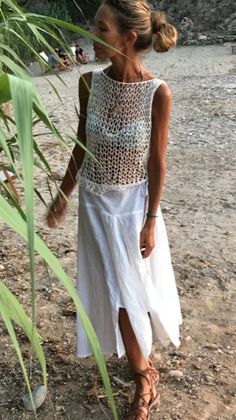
x,y
151,27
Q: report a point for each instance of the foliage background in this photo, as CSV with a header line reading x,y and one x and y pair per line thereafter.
x,y
214,18
63,9
206,15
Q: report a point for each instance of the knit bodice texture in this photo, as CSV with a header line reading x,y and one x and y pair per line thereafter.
x,y
118,133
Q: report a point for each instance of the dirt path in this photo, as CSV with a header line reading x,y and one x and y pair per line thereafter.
x,y
199,209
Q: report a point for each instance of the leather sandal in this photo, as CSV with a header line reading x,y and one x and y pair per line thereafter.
x,y
154,373
140,408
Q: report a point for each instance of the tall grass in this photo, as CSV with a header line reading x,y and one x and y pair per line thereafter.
x,y
17,88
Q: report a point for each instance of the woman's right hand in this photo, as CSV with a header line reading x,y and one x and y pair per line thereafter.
x,y
57,211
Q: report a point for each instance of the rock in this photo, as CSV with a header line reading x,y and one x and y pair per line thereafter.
x,y
42,288
121,382
211,346
188,338
39,395
178,374
196,366
36,69
157,356
202,37
166,209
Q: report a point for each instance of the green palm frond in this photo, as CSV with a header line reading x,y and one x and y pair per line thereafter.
x,y
21,151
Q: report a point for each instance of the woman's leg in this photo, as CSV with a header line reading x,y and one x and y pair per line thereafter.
x,y
135,357
145,383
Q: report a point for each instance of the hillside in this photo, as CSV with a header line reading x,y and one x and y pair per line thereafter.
x,y
198,21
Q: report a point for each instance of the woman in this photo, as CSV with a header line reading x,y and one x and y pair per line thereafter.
x,y
125,277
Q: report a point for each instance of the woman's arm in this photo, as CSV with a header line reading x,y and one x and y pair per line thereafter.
x,y
156,163
58,208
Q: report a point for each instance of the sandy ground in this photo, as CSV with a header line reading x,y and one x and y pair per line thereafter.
x,y
199,209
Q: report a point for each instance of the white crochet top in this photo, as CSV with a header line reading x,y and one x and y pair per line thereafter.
x,y
118,133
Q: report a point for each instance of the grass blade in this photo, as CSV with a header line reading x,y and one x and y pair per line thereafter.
x,y
21,93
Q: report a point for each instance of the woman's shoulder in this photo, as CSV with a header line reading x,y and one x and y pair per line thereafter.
x,y
84,88
163,92
85,79
161,101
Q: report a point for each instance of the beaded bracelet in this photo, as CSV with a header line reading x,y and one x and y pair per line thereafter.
x,y
151,215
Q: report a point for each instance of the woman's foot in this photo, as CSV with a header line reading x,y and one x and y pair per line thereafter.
x,y
154,372
146,395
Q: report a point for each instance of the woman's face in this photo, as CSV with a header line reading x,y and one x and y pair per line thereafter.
x,y
106,28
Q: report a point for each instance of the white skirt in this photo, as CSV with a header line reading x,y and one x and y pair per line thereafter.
x,y
112,273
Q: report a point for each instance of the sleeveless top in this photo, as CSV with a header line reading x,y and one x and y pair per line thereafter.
x,y
118,133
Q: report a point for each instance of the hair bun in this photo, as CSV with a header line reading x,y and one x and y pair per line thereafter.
x,y
158,19
165,34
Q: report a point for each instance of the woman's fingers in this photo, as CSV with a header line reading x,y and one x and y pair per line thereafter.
x,y
146,242
51,219
147,250
56,213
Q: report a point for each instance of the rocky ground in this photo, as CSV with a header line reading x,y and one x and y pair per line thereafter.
x,y
198,379
201,22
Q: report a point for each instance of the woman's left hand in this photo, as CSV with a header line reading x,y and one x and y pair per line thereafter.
x,y
147,241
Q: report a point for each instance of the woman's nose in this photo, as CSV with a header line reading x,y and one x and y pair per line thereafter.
x,y
94,31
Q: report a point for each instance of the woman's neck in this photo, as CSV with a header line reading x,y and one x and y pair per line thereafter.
x,y
126,70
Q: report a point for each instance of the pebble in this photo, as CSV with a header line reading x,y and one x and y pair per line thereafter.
x,y
196,366
39,395
188,338
211,346
157,357
120,382
178,374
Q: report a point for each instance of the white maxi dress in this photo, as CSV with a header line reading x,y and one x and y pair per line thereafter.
x,y
113,196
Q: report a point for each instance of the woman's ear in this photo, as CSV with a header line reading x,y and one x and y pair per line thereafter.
x,y
131,38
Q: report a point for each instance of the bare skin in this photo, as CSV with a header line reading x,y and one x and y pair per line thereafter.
x,y
127,69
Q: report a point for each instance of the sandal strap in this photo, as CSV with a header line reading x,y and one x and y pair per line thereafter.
x,y
138,409
144,374
149,371
138,412
151,376
154,373
141,415
143,404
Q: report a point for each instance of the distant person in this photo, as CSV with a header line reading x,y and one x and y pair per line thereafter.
x,y
63,56
64,62
52,61
80,55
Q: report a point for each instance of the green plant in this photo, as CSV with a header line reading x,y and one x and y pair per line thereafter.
x,y
28,110
15,30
